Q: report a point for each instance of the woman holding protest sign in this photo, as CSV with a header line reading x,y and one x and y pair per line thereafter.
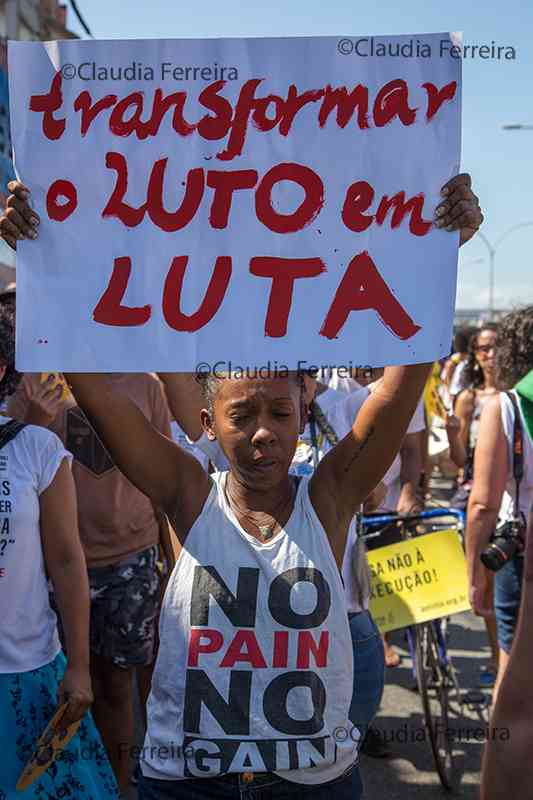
x,y
253,681
331,419
39,539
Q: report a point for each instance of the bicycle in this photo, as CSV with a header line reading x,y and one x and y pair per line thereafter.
x,y
433,669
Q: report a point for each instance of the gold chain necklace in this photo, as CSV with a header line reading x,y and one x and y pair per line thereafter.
x,y
266,531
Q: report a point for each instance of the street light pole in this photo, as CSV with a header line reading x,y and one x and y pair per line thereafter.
x,y
492,257
490,248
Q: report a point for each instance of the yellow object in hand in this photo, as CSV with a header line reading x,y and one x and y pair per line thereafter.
x,y
51,743
58,380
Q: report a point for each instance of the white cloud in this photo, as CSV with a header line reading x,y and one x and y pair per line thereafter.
x,y
475,294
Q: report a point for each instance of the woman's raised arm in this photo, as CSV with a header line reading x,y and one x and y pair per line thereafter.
x,y
185,400
352,469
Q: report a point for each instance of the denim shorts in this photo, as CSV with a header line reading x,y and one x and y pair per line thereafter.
x,y
263,786
369,670
507,596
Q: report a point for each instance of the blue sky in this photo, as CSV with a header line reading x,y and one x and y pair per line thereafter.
x,y
494,92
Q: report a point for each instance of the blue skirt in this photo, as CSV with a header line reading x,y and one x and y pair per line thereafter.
x,y
28,701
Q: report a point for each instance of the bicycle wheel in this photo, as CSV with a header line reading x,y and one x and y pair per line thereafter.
x,y
434,684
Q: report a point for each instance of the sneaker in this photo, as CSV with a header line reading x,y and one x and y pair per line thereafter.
x,y
373,745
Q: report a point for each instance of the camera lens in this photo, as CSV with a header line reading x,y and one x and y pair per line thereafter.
x,y
498,553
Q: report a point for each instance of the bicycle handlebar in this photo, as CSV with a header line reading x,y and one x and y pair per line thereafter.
x,y
431,513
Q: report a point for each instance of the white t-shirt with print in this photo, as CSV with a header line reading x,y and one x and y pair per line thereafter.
x,y
28,634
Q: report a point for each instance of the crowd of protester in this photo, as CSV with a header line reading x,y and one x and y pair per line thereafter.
x,y
156,519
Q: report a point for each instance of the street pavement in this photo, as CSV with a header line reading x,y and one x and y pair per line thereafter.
x,y
409,773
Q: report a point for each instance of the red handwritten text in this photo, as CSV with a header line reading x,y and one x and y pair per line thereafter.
x,y
139,115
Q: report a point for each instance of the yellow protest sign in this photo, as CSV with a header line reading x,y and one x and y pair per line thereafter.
x,y
417,580
432,399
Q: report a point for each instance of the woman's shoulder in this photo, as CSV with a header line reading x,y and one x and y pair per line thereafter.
x,y
41,436
38,446
34,454
493,400
495,409
216,501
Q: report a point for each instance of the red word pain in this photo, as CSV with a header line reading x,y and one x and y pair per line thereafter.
x,y
142,115
245,648
360,289
62,199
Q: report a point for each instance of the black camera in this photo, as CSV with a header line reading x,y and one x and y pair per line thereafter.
x,y
507,541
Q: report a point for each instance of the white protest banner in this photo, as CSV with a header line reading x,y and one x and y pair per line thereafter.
x,y
249,201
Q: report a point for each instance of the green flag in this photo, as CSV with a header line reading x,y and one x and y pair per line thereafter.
x,y
524,389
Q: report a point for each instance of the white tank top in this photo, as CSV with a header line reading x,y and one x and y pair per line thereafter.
x,y
526,484
255,664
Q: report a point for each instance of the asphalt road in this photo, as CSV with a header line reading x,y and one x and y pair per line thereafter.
x,y
409,773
